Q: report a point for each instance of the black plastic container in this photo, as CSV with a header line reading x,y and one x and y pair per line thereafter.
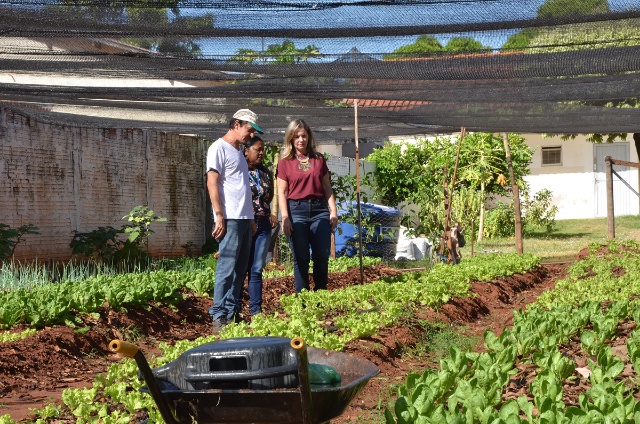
x,y
241,363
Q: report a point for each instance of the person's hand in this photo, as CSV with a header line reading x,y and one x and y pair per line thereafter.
x,y
333,218
286,226
220,229
254,227
274,221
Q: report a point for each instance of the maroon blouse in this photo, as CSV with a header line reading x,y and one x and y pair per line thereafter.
x,y
303,184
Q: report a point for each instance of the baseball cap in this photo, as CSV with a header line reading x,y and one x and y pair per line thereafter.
x,y
248,116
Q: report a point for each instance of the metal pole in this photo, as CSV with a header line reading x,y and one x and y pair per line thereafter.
x,y
355,114
610,211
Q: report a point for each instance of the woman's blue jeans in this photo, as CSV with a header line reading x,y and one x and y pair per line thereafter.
x,y
257,261
231,268
311,229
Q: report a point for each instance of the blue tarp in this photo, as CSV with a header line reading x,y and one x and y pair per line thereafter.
x,y
384,221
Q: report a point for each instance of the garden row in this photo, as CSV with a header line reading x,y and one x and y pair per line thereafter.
x,y
357,311
64,302
581,318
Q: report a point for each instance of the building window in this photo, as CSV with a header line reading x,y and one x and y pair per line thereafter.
x,y
552,155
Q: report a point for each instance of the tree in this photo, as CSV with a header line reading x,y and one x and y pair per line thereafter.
x,y
11,237
520,40
581,36
425,44
529,37
164,13
460,45
482,164
560,8
413,174
287,52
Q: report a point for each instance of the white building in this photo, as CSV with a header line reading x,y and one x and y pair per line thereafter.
x,y
574,172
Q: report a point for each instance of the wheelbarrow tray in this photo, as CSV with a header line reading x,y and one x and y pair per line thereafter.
x,y
278,405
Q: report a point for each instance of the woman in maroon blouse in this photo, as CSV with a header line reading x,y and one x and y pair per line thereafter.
x,y
307,205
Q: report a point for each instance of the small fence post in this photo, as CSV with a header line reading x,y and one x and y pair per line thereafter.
x,y
610,211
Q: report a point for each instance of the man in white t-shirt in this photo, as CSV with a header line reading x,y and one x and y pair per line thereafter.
x,y
230,193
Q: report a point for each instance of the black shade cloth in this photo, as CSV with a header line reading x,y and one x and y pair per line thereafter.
x,y
577,69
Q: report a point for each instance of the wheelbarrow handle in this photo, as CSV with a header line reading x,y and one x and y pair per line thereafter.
x,y
132,351
125,348
298,344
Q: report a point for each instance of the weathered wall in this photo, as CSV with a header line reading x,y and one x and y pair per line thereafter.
x,y
62,179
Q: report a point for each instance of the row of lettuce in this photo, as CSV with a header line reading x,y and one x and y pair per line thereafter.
x,y
588,310
65,302
357,311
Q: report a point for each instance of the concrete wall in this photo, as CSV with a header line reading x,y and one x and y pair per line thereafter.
x,y
64,179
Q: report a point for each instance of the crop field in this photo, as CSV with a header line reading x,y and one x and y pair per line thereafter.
x,y
498,337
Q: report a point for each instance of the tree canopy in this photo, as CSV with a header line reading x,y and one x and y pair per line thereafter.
x,y
559,8
580,36
286,52
428,45
164,12
414,173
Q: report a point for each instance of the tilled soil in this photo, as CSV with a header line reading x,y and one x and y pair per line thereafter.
x,y
34,371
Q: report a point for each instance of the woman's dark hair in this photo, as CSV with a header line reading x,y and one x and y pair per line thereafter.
x,y
253,140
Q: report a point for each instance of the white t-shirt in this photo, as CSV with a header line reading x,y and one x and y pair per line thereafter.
x,y
233,183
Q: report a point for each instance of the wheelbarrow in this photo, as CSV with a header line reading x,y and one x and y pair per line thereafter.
x,y
251,380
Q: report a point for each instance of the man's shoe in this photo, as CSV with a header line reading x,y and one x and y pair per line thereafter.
x,y
219,324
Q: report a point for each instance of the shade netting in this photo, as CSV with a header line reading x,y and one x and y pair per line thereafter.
x,y
562,66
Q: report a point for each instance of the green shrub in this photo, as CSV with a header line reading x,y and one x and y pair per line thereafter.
x,y
537,214
105,244
10,237
500,222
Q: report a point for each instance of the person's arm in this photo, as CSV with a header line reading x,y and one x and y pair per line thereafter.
x,y
283,191
214,194
331,200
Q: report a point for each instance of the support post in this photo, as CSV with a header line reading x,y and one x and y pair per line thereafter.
x,y
611,227
516,195
274,206
355,114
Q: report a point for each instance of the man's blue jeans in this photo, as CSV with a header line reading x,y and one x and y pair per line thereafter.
x,y
231,268
257,261
311,228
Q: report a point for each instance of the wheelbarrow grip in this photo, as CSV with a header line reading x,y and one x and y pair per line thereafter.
x,y
132,351
127,349
298,344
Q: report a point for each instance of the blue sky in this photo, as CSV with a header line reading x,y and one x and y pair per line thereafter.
x,y
453,11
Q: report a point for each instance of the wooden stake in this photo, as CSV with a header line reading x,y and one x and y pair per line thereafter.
x,y
274,206
355,118
516,194
449,196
